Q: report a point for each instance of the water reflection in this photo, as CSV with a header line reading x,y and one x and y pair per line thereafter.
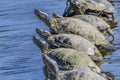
x,y
20,59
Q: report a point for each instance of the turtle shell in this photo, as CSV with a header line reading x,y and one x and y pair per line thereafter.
x,y
69,57
97,5
94,20
75,42
78,27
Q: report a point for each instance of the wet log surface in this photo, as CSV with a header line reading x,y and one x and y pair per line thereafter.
x,y
20,59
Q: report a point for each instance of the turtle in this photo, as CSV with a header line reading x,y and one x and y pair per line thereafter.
x,y
75,26
97,22
67,58
71,41
94,7
66,63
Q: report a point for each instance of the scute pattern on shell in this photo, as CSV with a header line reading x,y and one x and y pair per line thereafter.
x,y
94,20
71,57
78,27
75,42
98,5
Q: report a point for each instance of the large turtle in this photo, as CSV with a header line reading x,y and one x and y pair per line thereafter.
x,y
67,58
97,22
74,26
96,7
71,41
68,64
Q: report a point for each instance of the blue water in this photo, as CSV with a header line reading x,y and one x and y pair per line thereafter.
x,y
20,59
114,62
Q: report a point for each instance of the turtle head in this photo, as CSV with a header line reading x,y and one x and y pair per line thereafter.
x,y
40,44
43,33
43,16
68,12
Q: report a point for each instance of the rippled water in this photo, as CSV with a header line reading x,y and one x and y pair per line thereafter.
x,y
20,59
114,62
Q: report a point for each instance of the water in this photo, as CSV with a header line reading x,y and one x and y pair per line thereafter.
x,y
114,62
20,59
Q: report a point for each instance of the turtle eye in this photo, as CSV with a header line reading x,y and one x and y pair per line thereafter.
x,y
77,5
75,2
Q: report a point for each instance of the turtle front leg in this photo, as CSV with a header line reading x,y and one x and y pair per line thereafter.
x,y
113,17
100,14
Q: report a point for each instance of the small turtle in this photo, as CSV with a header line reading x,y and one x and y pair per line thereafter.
x,y
71,41
97,22
95,7
74,26
67,58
